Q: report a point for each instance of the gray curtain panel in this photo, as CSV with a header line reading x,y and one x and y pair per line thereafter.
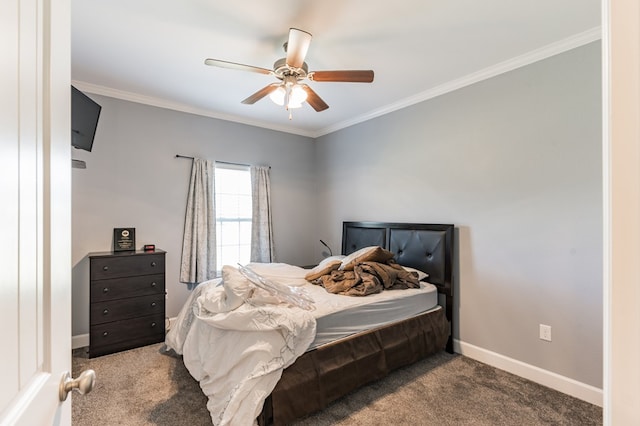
x,y
199,242
261,229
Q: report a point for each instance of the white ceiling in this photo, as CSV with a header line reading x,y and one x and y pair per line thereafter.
x,y
153,51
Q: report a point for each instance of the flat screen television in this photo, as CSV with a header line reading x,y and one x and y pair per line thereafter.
x,y
84,120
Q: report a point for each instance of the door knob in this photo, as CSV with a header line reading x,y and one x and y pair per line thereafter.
x,y
83,384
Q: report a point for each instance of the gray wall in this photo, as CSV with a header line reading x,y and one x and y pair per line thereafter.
x,y
515,163
133,179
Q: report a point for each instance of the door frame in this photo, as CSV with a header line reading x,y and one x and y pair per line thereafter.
x,y
621,210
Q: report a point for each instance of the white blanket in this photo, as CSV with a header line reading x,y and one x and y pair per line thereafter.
x,y
236,341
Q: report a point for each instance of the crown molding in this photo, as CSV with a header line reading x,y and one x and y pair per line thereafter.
x,y
544,52
529,58
176,106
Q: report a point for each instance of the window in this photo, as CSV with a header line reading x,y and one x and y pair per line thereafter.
x,y
233,214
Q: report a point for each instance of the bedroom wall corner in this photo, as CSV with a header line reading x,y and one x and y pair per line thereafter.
x,y
515,162
133,179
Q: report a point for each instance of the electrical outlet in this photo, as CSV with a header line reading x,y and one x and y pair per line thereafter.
x,y
545,332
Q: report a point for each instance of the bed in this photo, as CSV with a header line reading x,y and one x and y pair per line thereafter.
x,y
314,369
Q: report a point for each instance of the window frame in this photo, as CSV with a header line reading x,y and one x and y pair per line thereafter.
x,y
242,243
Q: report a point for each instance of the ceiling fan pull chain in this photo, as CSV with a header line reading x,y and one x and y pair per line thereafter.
x,y
287,96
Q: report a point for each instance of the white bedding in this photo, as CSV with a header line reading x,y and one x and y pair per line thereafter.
x,y
236,345
341,316
238,353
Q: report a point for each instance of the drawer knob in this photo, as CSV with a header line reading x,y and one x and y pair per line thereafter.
x,y
153,284
153,324
105,312
153,263
153,304
105,290
105,334
105,268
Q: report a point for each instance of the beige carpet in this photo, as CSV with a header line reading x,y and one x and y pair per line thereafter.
x,y
146,387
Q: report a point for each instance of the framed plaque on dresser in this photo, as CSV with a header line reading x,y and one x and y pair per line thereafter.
x,y
127,300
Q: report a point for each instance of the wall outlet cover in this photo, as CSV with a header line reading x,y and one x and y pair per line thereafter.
x,y
545,332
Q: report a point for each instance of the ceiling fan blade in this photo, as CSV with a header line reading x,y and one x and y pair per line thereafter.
x,y
313,99
297,47
347,76
235,66
261,94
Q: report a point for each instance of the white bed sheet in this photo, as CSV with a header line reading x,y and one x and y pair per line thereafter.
x,y
339,316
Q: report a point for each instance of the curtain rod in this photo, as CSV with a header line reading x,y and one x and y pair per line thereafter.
x,y
223,162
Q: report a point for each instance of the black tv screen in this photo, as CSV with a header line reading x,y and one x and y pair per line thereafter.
x,y
84,119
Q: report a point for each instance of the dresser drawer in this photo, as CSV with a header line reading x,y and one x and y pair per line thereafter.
x,y
126,266
132,333
116,310
118,288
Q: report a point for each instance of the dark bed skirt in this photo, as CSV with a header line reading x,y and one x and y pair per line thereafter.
x,y
329,372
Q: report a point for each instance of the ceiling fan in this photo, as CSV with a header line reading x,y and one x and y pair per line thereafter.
x,y
291,70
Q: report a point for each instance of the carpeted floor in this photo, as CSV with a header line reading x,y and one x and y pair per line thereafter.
x,y
146,387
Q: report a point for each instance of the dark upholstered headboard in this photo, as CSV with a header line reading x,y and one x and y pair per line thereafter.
x,y
427,247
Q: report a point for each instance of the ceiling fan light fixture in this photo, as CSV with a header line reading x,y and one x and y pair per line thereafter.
x,y
277,96
298,96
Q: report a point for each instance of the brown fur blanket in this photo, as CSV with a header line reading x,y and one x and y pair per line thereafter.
x,y
368,278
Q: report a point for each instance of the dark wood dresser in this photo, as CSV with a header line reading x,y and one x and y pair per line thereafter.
x,y
126,300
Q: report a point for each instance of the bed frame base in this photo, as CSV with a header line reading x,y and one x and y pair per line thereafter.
x,y
333,370
329,372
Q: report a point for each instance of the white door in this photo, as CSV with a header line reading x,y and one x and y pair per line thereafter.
x,y
35,211
621,47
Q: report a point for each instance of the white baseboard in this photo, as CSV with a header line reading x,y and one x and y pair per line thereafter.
x,y
79,341
546,378
552,380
